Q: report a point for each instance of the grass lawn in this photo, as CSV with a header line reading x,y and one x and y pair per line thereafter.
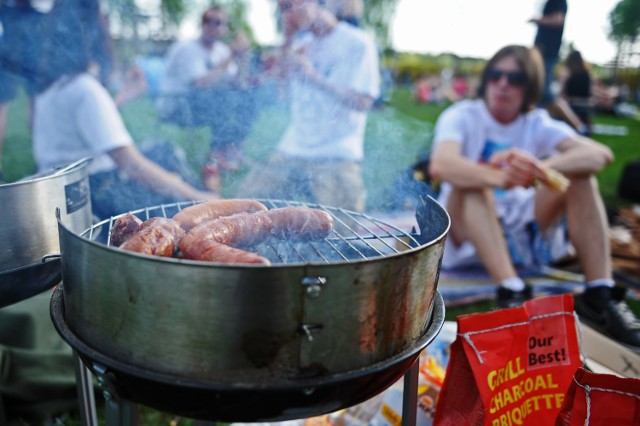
x,y
397,135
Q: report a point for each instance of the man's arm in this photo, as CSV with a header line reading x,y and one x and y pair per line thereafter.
x,y
139,168
214,75
297,62
449,165
347,97
579,155
555,19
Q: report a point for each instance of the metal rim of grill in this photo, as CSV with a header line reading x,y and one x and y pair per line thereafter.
x,y
355,237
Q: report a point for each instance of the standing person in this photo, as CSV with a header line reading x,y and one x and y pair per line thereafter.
x,y
333,79
548,41
75,117
61,24
489,153
577,88
20,50
202,80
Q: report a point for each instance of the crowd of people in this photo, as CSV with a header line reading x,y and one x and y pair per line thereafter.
x,y
493,150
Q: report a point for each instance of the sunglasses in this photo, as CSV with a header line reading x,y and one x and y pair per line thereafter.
x,y
285,5
215,22
514,78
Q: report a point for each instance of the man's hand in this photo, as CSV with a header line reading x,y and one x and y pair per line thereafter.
x,y
519,167
297,63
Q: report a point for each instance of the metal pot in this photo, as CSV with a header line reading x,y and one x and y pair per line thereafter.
x,y
232,324
29,232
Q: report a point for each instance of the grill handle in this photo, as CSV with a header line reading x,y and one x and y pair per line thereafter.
x,y
431,220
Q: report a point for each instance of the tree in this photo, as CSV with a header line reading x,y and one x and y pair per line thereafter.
x,y
625,27
378,15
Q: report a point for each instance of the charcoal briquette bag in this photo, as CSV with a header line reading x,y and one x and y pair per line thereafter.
x,y
511,366
601,399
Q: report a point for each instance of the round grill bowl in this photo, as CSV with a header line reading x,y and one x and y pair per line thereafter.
x,y
246,400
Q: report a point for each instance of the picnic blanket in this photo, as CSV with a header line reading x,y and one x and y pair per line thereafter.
x,y
473,285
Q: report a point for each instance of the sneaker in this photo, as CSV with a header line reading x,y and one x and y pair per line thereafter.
x,y
507,298
605,310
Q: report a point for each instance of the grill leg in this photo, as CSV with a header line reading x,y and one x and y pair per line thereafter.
x,y
86,398
119,412
3,416
410,395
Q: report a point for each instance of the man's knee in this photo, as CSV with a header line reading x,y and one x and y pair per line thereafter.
x,y
467,197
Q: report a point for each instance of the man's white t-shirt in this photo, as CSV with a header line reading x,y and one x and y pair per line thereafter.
x,y
185,62
469,123
188,60
76,118
320,126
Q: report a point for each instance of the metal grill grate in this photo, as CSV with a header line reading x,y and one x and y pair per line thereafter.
x,y
356,236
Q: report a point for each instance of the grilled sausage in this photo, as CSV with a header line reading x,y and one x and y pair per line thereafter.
x,y
123,228
216,252
194,215
237,230
157,236
300,222
214,240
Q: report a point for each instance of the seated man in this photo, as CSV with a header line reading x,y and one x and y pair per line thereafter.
x,y
490,154
202,86
75,118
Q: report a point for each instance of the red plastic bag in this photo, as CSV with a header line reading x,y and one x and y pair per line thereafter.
x,y
511,366
597,399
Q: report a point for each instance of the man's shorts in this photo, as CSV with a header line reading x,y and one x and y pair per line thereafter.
x,y
548,95
528,246
21,46
9,84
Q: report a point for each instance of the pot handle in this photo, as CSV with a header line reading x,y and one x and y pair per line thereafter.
x,y
71,166
27,281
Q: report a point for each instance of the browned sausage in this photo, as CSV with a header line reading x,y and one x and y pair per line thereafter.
x,y
157,236
123,228
300,222
213,240
237,230
194,215
216,252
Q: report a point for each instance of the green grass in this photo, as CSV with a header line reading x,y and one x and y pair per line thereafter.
x,y
397,135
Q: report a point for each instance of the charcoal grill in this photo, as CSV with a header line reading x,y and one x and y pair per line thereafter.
x,y
329,324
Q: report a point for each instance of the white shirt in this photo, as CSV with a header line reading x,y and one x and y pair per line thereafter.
x,y
76,118
470,123
322,127
189,60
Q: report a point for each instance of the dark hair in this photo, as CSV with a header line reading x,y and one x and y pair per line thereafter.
x,y
212,8
575,63
75,35
530,63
